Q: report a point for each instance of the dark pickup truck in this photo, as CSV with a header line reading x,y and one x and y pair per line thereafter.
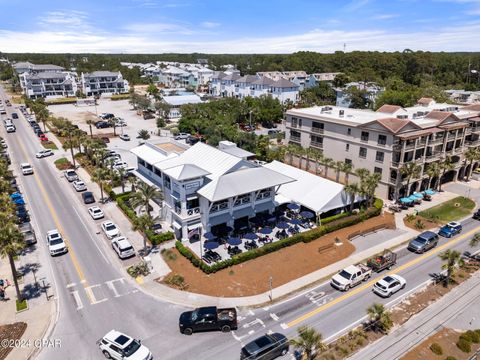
x,y
207,319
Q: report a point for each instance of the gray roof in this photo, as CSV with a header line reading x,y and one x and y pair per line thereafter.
x,y
241,182
41,67
101,74
231,77
247,79
22,65
284,83
218,75
185,172
238,152
47,75
263,81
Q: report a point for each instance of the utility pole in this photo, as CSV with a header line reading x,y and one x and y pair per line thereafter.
x,y
270,281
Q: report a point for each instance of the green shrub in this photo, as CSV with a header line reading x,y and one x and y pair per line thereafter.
x,y
61,101
436,349
177,280
419,225
119,97
169,255
471,336
333,218
464,345
450,358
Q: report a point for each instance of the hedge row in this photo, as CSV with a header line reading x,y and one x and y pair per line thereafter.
x,y
333,218
155,239
305,237
60,101
120,97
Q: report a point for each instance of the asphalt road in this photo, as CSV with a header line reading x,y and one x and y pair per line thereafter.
x,y
95,296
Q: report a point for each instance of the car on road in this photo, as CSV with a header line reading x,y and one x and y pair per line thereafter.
x,y
476,215
389,285
95,212
26,168
125,137
44,153
350,277
122,247
14,116
451,229
207,319
110,229
116,345
266,347
181,136
423,242
10,128
55,242
70,175
79,185
88,197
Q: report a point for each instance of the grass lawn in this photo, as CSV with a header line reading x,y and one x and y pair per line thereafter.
x,y
49,145
63,164
21,305
450,210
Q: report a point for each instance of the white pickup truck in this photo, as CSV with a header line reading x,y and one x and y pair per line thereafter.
x,y
350,277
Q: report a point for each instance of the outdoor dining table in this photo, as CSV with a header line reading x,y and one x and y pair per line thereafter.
x,y
295,221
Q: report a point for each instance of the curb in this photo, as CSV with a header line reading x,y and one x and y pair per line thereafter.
x,y
53,320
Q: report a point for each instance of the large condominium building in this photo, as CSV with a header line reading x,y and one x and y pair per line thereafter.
x,y
103,82
234,85
48,84
383,141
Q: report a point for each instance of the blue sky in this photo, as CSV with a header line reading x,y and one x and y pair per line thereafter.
x,y
233,26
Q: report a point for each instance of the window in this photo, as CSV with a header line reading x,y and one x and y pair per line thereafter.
x,y
382,139
377,170
316,141
362,152
167,182
347,147
296,122
295,136
364,136
317,127
242,199
348,161
349,131
141,162
380,156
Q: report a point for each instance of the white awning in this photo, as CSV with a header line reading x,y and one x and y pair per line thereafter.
x,y
176,225
194,226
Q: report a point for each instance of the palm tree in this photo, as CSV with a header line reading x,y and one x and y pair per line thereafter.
x,y
308,155
90,122
142,223
143,195
371,183
453,259
300,152
471,155
338,166
446,165
475,240
327,162
101,176
352,190
347,169
11,242
317,156
133,181
42,116
380,317
292,151
433,171
362,173
121,173
69,144
143,134
309,341
410,170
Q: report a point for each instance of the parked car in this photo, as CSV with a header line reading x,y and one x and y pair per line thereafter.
x,y
22,215
95,212
10,128
351,276
28,233
476,215
26,168
110,229
389,285
79,185
88,197
14,116
208,318
55,243
266,347
116,345
181,136
157,228
119,165
423,242
125,137
451,229
43,153
106,116
102,124
43,137
70,175
122,247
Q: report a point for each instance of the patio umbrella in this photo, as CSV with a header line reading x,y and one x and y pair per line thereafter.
x,y
250,236
296,221
232,240
429,192
18,201
266,230
209,236
293,206
15,195
283,225
307,214
210,245
406,200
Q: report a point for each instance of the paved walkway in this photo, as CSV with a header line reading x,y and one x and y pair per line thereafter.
x,y
443,313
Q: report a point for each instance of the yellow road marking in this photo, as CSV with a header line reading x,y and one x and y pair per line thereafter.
x,y
56,220
371,282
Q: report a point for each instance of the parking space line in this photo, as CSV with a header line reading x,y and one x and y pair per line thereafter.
x,y
77,299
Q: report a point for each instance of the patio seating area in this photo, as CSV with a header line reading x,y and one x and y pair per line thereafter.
x,y
223,241
415,199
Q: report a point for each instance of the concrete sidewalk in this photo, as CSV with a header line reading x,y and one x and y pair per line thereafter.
x,y
457,302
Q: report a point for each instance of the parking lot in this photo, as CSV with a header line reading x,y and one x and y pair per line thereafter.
x,y
79,115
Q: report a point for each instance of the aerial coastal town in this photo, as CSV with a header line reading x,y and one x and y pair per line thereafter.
x,y
180,181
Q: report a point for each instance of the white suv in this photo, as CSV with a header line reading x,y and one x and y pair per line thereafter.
x,y
122,247
115,345
110,229
26,169
55,243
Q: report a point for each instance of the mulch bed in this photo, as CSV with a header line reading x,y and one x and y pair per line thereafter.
x,y
10,332
426,223
252,277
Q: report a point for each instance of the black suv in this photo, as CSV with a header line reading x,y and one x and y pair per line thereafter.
x,y
102,125
266,347
88,197
476,215
14,116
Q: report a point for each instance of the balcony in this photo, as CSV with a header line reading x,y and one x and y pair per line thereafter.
x,y
396,164
472,142
317,130
219,207
432,157
393,180
476,130
315,144
295,138
435,141
468,131
193,211
451,136
409,146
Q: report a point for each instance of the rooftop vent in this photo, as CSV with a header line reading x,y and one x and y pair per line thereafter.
x,y
341,113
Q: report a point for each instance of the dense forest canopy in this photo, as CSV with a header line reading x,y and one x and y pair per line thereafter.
x,y
441,69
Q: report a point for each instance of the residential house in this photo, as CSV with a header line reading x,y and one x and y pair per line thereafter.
x,y
103,82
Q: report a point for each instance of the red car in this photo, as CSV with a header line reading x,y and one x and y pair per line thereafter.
x,y
43,137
